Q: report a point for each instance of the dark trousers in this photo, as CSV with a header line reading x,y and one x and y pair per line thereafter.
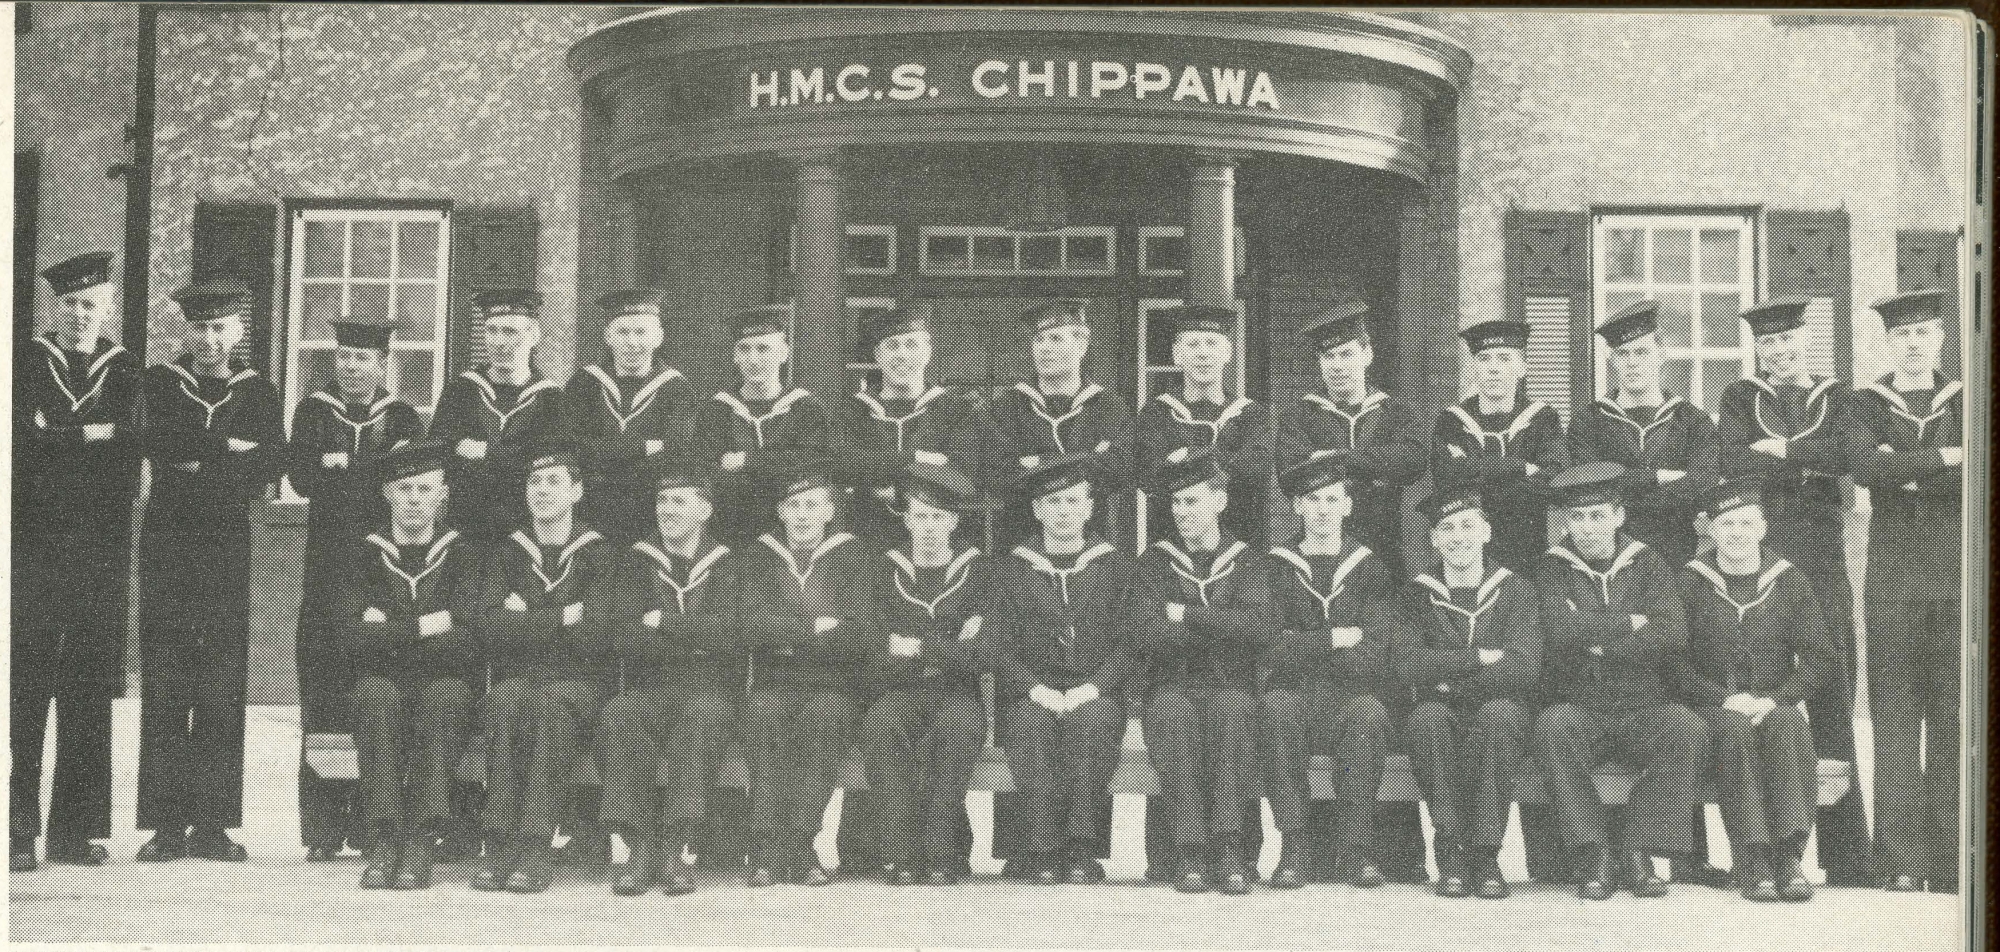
x,y
191,739
1465,762
1061,766
1203,742
920,746
408,738
535,734
1766,776
1667,742
1914,663
796,739
1354,731
80,807
679,728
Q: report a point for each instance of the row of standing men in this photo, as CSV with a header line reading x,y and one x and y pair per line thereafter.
x,y
214,432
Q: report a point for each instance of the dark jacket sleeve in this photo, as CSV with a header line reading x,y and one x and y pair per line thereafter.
x,y
369,645
1688,671
1664,635
1011,675
1448,467
1877,467
1398,458
1701,472
1417,663
1839,442
1121,661
1567,626
303,458
510,633
1520,665
458,647
1735,430
1818,661
1243,617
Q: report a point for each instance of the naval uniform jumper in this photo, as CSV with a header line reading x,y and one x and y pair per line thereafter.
x,y
612,417
773,435
805,693
1238,430
1384,440
1612,704
1322,699
1915,560
1802,503
1493,450
195,588
684,667
345,505
1469,729
1201,674
546,616
1029,423
1674,435
886,434
412,692
1760,633
925,729
72,532
486,494
1065,622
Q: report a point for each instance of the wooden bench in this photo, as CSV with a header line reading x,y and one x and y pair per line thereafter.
x,y
332,757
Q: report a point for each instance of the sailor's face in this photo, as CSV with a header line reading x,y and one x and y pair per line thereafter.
x,y
358,370
1637,364
1060,349
681,511
1594,529
633,338
510,337
1497,371
1065,512
1344,367
414,501
80,315
1738,532
1460,538
1203,355
761,357
904,356
1198,509
1324,510
1780,353
552,491
927,523
1915,347
212,341
806,514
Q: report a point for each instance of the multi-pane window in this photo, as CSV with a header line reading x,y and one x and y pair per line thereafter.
x,y
1163,251
1702,270
372,265
987,251
866,249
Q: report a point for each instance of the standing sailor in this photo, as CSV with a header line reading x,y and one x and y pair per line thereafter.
x,y
762,429
75,472
1509,446
488,416
908,419
624,411
215,434
337,430
1060,413
1203,415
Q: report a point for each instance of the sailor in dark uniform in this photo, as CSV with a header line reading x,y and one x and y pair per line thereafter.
x,y
1509,445
1062,602
923,733
489,414
625,410
1915,470
1756,648
1469,648
1800,434
1330,682
545,609
675,633
1204,415
336,431
1059,413
1614,629
807,612
403,616
76,468
1665,443
762,429
1206,603
908,419
215,434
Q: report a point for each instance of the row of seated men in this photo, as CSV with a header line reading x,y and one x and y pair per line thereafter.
x,y
213,432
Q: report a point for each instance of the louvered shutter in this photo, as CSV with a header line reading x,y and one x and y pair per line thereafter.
x,y
240,240
1928,260
1548,286
491,248
1808,253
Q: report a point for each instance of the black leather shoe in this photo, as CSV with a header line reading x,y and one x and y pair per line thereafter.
x,y
900,876
636,876
166,845
322,854
939,876
1046,872
1085,872
21,854
1638,875
78,853
814,875
760,877
1598,876
1189,875
1233,882
678,878
381,871
1793,886
527,882
1702,874
215,845
1287,877
490,880
1367,875
419,853
1903,884
1486,874
1451,870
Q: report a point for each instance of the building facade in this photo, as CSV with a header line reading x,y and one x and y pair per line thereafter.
x,y
1444,167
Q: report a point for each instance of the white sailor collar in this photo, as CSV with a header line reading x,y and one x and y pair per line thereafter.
x,y
783,404
1183,414
1041,400
881,412
564,557
1042,563
784,552
375,406
1488,587
660,377
1351,560
1373,399
188,376
1886,389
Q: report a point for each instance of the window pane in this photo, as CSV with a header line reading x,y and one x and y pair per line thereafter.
x,y
1719,255
1166,253
1041,253
1719,324
315,369
322,249
416,311
945,252
1089,253
1672,250
413,377
868,251
371,248
1674,320
1621,254
416,254
321,307
1715,375
993,253
368,302
1674,375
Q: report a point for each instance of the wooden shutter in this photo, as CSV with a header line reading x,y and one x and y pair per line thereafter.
x,y
491,247
1927,260
240,240
27,205
1548,286
1808,255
